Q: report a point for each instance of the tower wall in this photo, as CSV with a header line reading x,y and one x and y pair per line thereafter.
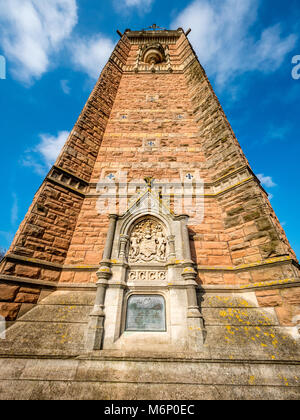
x,y
40,246
239,242
71,270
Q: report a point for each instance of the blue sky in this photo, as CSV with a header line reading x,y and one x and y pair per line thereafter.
x,y
55,49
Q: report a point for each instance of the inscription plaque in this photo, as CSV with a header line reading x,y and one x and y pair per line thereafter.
x,y
146,313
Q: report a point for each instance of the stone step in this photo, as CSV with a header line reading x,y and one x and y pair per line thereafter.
x,y
151,379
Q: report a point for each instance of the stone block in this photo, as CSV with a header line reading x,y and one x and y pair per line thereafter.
x,y
26,298
50,275
31,290
285,315
291,295
27,271
8,292
9,310
269,298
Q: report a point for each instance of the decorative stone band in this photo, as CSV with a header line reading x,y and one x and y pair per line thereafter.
x,y
95,267
220,186
147,275
104,272
66,179
267,285
145,37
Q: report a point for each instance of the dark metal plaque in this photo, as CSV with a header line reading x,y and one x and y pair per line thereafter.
x,y
146,313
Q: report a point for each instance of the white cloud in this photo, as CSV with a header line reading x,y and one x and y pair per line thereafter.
x,y
65,86
91,54
31,30
43,156
50,146
138,3
267,181
14,209
126,6
223,38
276,132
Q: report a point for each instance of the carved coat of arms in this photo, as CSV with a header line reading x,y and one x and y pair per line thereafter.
x,y
147,242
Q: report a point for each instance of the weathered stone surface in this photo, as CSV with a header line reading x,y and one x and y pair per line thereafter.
x,y
54,313
9,310
8,292
239,316
70,297
269,298
31,290
148,379
61,332
44,338
27,271
26,298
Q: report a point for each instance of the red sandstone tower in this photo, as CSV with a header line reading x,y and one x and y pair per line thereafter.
x,y
199,238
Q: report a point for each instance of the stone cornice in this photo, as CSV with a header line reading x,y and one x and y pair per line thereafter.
x,y
202,288
162,36
67,180
91,267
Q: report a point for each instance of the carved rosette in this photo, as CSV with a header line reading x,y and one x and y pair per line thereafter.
x,y
148,242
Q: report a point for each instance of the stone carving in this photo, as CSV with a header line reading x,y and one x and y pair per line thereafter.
x,y
147,242
147,275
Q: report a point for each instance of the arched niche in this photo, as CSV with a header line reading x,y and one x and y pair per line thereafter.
x,y
153,54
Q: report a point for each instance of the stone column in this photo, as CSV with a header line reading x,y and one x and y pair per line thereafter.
x,y
171,242
96,321
123,244
185,239
194,317
110,236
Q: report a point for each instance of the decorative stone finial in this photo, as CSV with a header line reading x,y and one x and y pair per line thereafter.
x,y
154,27
149,181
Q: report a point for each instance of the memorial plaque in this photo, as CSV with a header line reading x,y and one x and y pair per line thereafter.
x,y
146,313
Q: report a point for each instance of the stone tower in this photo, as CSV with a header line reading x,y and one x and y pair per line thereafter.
x,y
150,263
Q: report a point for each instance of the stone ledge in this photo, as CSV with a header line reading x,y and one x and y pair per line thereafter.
x,y
25,280
200,268
284,283
111,355
257,264
252,287
34,261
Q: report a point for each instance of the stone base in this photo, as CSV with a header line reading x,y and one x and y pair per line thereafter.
x,y
144,378
246,355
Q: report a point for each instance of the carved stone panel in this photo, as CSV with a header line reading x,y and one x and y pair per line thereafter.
x,y
147,275
148,242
